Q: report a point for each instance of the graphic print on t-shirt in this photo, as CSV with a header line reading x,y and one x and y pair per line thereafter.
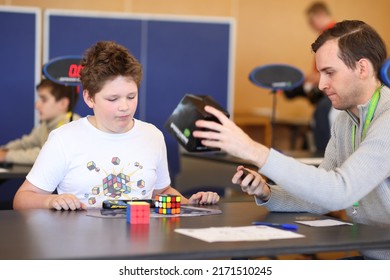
x,y
116,184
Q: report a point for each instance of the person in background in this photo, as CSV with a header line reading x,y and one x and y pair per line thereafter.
x,y
320,19
355,172
109,155
54,106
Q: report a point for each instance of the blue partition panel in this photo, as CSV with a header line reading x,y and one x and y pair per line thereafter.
x,y
184,57
17,72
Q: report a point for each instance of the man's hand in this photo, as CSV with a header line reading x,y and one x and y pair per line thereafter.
x,y
252,183
228,137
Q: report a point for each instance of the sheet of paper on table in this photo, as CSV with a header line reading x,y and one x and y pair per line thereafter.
x,y
323,223
3,170
246,233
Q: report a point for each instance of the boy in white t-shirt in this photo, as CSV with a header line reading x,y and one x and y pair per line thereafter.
x,y
109,155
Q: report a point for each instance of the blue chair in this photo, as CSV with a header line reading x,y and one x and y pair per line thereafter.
x,y
277,77
385,72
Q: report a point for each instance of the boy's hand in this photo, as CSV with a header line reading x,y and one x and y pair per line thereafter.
x,y
204,198
66,202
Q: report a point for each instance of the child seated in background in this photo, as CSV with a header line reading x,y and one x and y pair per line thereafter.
x,y
54,106
109,155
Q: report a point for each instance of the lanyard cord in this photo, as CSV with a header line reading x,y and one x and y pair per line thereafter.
x,y
370,115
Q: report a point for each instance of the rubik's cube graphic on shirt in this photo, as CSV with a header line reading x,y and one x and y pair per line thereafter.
x,y
138,212
167,204
115,185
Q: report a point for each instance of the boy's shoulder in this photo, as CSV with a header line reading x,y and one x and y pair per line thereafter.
x,y
77,124
147,127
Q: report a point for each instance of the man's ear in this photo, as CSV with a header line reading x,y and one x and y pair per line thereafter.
x,y
87,99
364,68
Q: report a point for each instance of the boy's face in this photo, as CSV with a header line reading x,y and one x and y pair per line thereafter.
x,y
114,105
47,105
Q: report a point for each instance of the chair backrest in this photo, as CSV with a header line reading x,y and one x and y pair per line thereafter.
x,y
277,77
385,72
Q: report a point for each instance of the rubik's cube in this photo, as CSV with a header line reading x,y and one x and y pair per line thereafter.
x,y
167,204
138,212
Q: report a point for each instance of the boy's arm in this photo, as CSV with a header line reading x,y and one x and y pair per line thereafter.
x,y
29,196
21,156
26,141
24,150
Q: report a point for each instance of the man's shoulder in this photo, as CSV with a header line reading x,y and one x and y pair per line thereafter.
x,y
385,98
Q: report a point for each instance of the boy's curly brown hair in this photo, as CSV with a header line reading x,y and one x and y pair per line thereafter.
x,y
105,61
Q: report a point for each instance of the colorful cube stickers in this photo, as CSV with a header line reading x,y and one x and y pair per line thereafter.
x,y
167,204
138,212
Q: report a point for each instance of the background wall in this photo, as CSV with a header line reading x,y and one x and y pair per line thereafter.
x,y
267,32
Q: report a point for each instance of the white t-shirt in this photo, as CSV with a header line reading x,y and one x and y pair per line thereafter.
x,y
95,166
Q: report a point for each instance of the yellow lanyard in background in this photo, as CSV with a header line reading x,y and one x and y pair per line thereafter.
x,y
67,118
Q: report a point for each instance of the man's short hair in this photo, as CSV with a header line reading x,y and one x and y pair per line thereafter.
x,y
356,40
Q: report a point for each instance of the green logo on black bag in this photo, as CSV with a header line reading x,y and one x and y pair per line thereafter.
x,y
187,132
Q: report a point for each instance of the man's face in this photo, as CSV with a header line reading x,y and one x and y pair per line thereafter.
x,y
115,104
341,84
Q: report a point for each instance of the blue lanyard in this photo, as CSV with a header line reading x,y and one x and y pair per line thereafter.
x,y
370,115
